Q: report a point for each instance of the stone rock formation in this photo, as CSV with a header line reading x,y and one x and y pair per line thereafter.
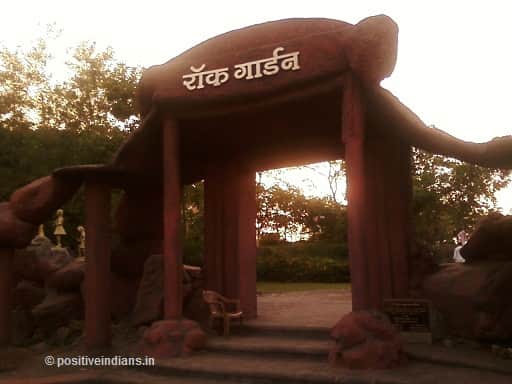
x,y
491,240
14,232
36,202
28,294
57,309
38,261
129,256
69,277
474,299
366,340
172,338
139,222
421,264
149,303
124,293
371,48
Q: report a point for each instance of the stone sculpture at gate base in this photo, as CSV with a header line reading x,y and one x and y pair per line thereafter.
x,y
172,338
366,340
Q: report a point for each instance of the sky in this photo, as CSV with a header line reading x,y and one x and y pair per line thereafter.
x,y
454,57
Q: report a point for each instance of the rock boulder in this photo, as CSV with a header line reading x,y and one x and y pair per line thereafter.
x,y
28,294
366,340
491,240
57,310
38,261
474,299
172,338
69,277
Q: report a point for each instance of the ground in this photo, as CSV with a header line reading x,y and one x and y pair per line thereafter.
x,y
287,343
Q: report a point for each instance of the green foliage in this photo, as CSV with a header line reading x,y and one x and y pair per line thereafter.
x,y
100,94
193,252
193,211
46,124
450,195
286,212
279,287
23,81
313,262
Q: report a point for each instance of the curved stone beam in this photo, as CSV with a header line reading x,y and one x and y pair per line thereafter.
x,y
31,205
141,150
399,120
327,49
14,232
37,201
371,48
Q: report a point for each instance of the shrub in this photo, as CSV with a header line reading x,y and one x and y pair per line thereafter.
x,y
304,262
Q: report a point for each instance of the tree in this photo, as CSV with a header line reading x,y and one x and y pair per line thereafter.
x,y
193,211
23,79
450,195
325,220
46,124
280,210
335,176
100,94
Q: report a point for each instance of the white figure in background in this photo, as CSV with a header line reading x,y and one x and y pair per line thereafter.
x,y
462,239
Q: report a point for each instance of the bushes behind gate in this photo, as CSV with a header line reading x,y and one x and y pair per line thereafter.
x,y
291,262
303,262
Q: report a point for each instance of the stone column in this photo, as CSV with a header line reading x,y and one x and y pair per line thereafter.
x,y
230,233
172,249
379,194
175,335
97,266
6,256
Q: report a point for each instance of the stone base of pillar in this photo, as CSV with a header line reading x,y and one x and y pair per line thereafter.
x,y
172,338
366,340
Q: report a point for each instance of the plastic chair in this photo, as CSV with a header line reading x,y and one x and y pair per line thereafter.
x,y
219,305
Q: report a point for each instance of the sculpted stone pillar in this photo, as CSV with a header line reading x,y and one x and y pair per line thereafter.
x,y
172,248
230,233
97,267
174,335
6,256
379,196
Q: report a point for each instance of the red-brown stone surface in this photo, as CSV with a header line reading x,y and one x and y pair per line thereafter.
x,y
38,261
150,295
124,293
421,264
35,202
366,340
139,222
57,310
148,305
474,299
491,240
69,277
371,48
139,214
172,338
129,256
14,232
28,294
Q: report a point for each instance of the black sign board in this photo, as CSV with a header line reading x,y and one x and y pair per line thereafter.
x,y
413,318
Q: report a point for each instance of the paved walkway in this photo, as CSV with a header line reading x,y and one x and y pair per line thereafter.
x,y
288,343
320,308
